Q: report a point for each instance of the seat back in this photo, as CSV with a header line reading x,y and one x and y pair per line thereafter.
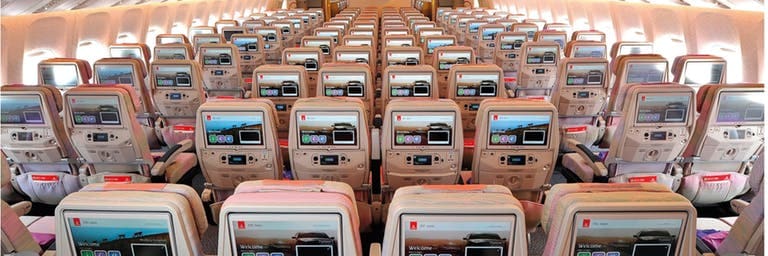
x,y
200,30
273,44
134,51
402,55
656,128
325,43
471,84
634,219
692,69
251,50
64,73
586,49
588,35
34,139
727,138
228,31
311,58
446,57
456,220
580,95
221,70
143,219
251,25
559,37
355,54
287,32
174,52
329,140
100,120
177,88
201,39
125,71
301,218
221,24
283,85
487,40
422,142
509,45
633,69
400,82
334,32
171,39
630,47
431,42
516,145
530,29
538,68
238,142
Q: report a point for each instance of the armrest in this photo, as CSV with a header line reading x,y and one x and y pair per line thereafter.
x,y
738,205
22,208
702,248
158,169
375,249
598,167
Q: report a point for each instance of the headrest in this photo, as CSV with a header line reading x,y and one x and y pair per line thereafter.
x,y
57,99
617,62
701,95
560,190
265,186
144,50
83,66
187,192
135,100
138,64
430,189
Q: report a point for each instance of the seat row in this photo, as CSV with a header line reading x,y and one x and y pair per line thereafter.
x,y
320,218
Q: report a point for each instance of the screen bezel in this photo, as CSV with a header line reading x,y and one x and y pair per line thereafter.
x,y
457,217
283,216
191,86
174,48
358,141
109,126
123,214
547,142
230,112
499,81
99,80
322,81
603,83
53,65
29,97
233,62
451,145
652,62
688,115
719,101
634,215
723,72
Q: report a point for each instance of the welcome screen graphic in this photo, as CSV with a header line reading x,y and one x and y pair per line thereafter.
x,y
120,236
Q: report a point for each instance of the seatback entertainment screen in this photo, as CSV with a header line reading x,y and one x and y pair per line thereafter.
x,y
513,129
662,108
94,110
233,128
423,128
21,109
327,128
96,233
285,234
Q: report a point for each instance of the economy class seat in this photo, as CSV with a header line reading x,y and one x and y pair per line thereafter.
x,y
291,218
102,126
282,85
455,220
726,141
325,43
177,90
273,45
311,58
470,84
44,159
537,72
516,145
618,219
348,80
144,219
250,48
509,45
422,143
237,142
580,95
657,125
222,76
131,72
445,57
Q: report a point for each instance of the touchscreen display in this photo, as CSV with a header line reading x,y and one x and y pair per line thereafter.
x,y
473,235
541,55
246,44
591,51
324,45
519,129
322,129
635,49
122,52
625,236
476,84
423,129
277,85
59,75
171,53
434,43
269,35
585,74
95,110
741,107
344,84
512,42
490,33
21,109
115,74
111,234
307,60
403,58
653,108
233,128
399,42
217,56
353,57
646,72
530,31
446,60
285,234
173,75
410,84
700,73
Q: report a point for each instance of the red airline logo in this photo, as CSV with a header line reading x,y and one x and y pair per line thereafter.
x,y
642,179
714,178
586,223
414,225
76,221
241,224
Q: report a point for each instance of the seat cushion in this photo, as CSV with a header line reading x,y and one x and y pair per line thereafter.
x,y
180,166
712,223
